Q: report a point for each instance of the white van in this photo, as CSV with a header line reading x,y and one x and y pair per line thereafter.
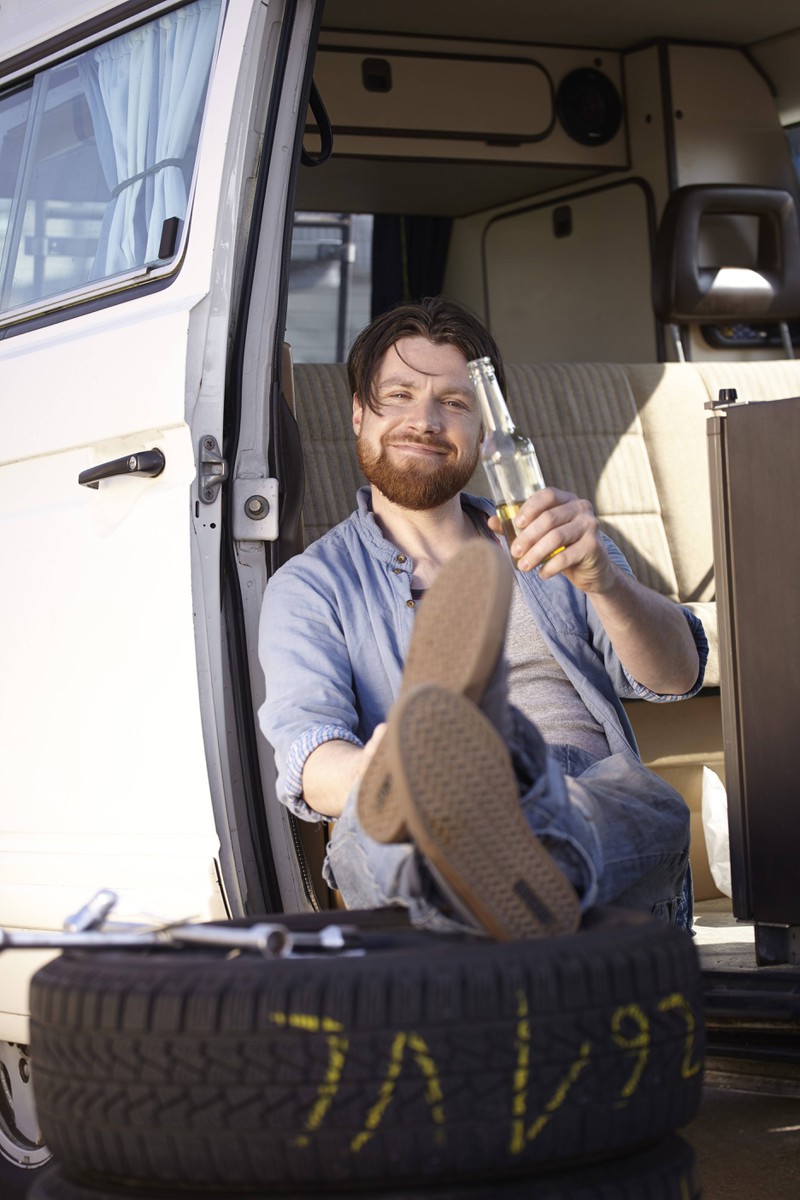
x,y
165,201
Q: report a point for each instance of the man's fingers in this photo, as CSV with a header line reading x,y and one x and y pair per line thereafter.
x,y
540,559
541,502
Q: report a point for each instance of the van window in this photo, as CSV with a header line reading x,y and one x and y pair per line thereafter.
x,y
330,284
97,155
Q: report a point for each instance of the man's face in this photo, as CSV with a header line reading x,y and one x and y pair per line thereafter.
x,y
422,445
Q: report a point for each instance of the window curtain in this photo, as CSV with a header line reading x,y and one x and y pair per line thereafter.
x,y
409,255
144,92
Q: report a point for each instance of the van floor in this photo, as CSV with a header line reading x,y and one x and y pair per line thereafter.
x,y
746,1144
746,1137
724,943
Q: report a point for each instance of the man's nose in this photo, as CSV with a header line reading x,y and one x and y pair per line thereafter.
x,y
425,415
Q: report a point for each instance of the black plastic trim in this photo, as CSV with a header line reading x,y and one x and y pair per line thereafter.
x,y
317,106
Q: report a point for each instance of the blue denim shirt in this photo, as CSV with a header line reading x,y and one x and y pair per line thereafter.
x,y
335,628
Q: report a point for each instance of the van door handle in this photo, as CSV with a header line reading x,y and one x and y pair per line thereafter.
x,y
145,462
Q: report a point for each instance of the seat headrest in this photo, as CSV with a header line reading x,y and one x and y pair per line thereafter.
x,y
686,292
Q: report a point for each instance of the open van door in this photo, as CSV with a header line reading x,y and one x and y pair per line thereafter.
x,y
129,140
103,761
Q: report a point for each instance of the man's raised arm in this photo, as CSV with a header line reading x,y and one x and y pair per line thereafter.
x,y
559,534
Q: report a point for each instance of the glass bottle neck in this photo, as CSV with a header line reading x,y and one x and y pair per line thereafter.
x,y
494,410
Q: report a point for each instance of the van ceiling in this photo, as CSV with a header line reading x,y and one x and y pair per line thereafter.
x,y
616,24
371,181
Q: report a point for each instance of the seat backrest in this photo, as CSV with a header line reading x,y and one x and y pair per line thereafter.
x,y
324,407
685,290
632,440
589,439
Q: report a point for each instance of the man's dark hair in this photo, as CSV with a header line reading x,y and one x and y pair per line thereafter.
x,y
441,321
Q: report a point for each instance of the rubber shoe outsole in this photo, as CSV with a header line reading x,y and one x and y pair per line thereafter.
x,y
453,780
458,637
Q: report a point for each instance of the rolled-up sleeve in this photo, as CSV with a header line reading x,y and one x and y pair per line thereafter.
x,y
638,691
309,686
628,688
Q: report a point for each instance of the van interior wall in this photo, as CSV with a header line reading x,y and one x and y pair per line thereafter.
x,y
565,275
570,280
552,239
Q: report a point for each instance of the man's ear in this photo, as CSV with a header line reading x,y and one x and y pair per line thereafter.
x,y
358,414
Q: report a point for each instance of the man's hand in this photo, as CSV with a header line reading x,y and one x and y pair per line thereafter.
x,y
559,524
560,535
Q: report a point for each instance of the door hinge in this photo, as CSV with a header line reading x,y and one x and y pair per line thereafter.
x,y
213,469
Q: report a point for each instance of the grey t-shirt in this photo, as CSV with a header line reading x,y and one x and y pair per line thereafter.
x,y
538,687
537,684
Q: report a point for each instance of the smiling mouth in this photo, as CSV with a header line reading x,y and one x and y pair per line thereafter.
x,y
424,448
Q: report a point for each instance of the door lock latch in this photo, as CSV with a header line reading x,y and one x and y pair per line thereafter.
x,y
213,468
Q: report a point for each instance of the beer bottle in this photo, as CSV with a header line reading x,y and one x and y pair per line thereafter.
x,y
509,458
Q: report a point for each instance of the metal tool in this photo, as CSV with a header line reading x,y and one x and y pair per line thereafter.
x,y
84,931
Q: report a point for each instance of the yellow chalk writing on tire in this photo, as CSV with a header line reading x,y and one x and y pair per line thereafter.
x,y
638,1042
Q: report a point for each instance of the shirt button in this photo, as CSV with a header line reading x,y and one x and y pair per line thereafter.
x,y
402,558
411,604
398,571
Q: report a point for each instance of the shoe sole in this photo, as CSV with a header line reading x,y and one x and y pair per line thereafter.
x,y
454,782
457,640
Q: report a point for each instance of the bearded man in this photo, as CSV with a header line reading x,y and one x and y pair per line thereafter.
x,y
525,801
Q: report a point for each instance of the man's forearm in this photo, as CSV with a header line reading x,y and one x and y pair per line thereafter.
x,y
329,775
650,635
332,770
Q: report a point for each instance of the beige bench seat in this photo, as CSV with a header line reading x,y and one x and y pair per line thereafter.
x,y
632,439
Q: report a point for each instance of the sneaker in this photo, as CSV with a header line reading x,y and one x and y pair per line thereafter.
x,y
455,786
457,643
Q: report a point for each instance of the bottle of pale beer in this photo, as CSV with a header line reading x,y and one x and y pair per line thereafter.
x,y
509,458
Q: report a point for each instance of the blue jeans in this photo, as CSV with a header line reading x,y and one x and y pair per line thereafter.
x,y
618,832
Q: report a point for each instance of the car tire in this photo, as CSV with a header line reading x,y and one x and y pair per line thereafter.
x,y
665,1171
429,1059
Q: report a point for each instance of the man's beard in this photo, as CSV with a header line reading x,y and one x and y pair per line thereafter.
x,y
416,485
